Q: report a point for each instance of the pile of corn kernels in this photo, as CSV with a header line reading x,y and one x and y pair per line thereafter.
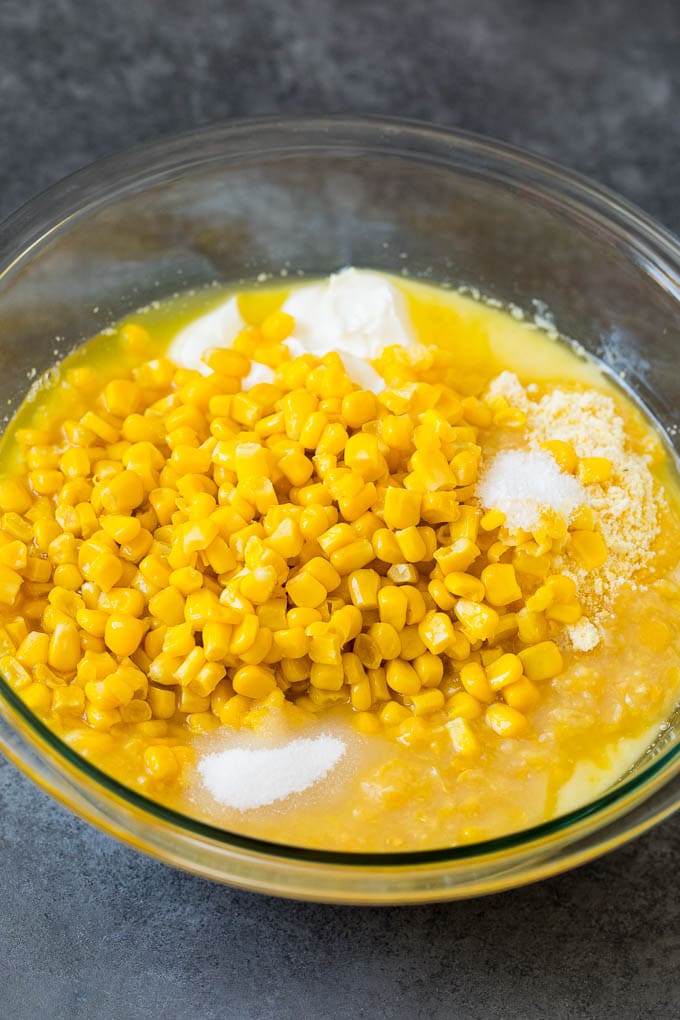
x,y
185,548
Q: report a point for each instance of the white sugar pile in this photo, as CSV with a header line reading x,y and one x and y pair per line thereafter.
x,y
245,778
523,485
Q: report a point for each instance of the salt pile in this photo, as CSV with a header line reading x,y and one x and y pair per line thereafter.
x,y
523,485
244,778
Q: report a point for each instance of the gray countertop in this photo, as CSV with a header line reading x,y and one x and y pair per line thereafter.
x,y
90,929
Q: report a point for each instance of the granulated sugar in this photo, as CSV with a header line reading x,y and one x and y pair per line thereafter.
x,y
525,484
247,778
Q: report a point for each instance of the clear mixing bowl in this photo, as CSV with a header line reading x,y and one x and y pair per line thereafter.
x,y
237,200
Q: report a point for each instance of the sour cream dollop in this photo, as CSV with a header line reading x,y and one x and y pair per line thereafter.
x,y
356,312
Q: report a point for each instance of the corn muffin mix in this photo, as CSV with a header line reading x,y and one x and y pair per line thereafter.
x,y
362,519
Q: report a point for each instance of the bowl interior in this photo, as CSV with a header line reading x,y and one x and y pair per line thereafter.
x,y
247,202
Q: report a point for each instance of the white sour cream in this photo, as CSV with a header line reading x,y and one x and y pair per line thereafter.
x,y
355,312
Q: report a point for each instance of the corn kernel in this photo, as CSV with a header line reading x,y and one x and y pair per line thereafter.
x,y
532,627
594,470
402,508
364,586
522,695
463,705
505,721
68,701
368,651
463,737
386,546
305,591
474,680
500,583
392,605
327,677
589,548
254,681
478,620
436,632
326,648
563,453
411,545
14,496
427,703
352,557
10,584
464,586
160,763
505,670
542,661
161,702
33,649
387,640
64,648
402,677
460,555
393,714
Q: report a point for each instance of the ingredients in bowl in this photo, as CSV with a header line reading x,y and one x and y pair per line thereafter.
x,y
359,502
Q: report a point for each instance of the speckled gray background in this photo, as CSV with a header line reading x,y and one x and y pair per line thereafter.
x,y
89,929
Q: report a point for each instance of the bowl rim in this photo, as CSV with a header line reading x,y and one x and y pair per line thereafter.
x,y
105,180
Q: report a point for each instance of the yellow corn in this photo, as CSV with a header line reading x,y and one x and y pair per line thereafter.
x,y
14,496
402,508
393,714
185,547
532,627
162,702
64,648
593,470
507,669
589,548
430,669
542,661
474,679
463,737
326,676
306,591
352,557
364,586
563,453
68,701
160,763
402,677
500,584
428,702
478,620
10,584
254,681
463,705
436,632
392,605
505,720
522,695
387,640
465,586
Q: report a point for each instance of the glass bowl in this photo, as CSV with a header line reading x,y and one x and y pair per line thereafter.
x,y
234,201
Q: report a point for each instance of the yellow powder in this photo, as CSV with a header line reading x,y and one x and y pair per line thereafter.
x,y
627,505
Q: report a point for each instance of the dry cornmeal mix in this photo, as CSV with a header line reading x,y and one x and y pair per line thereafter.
x,y
360,565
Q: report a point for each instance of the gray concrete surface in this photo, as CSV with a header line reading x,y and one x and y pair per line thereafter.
x,y
89,929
